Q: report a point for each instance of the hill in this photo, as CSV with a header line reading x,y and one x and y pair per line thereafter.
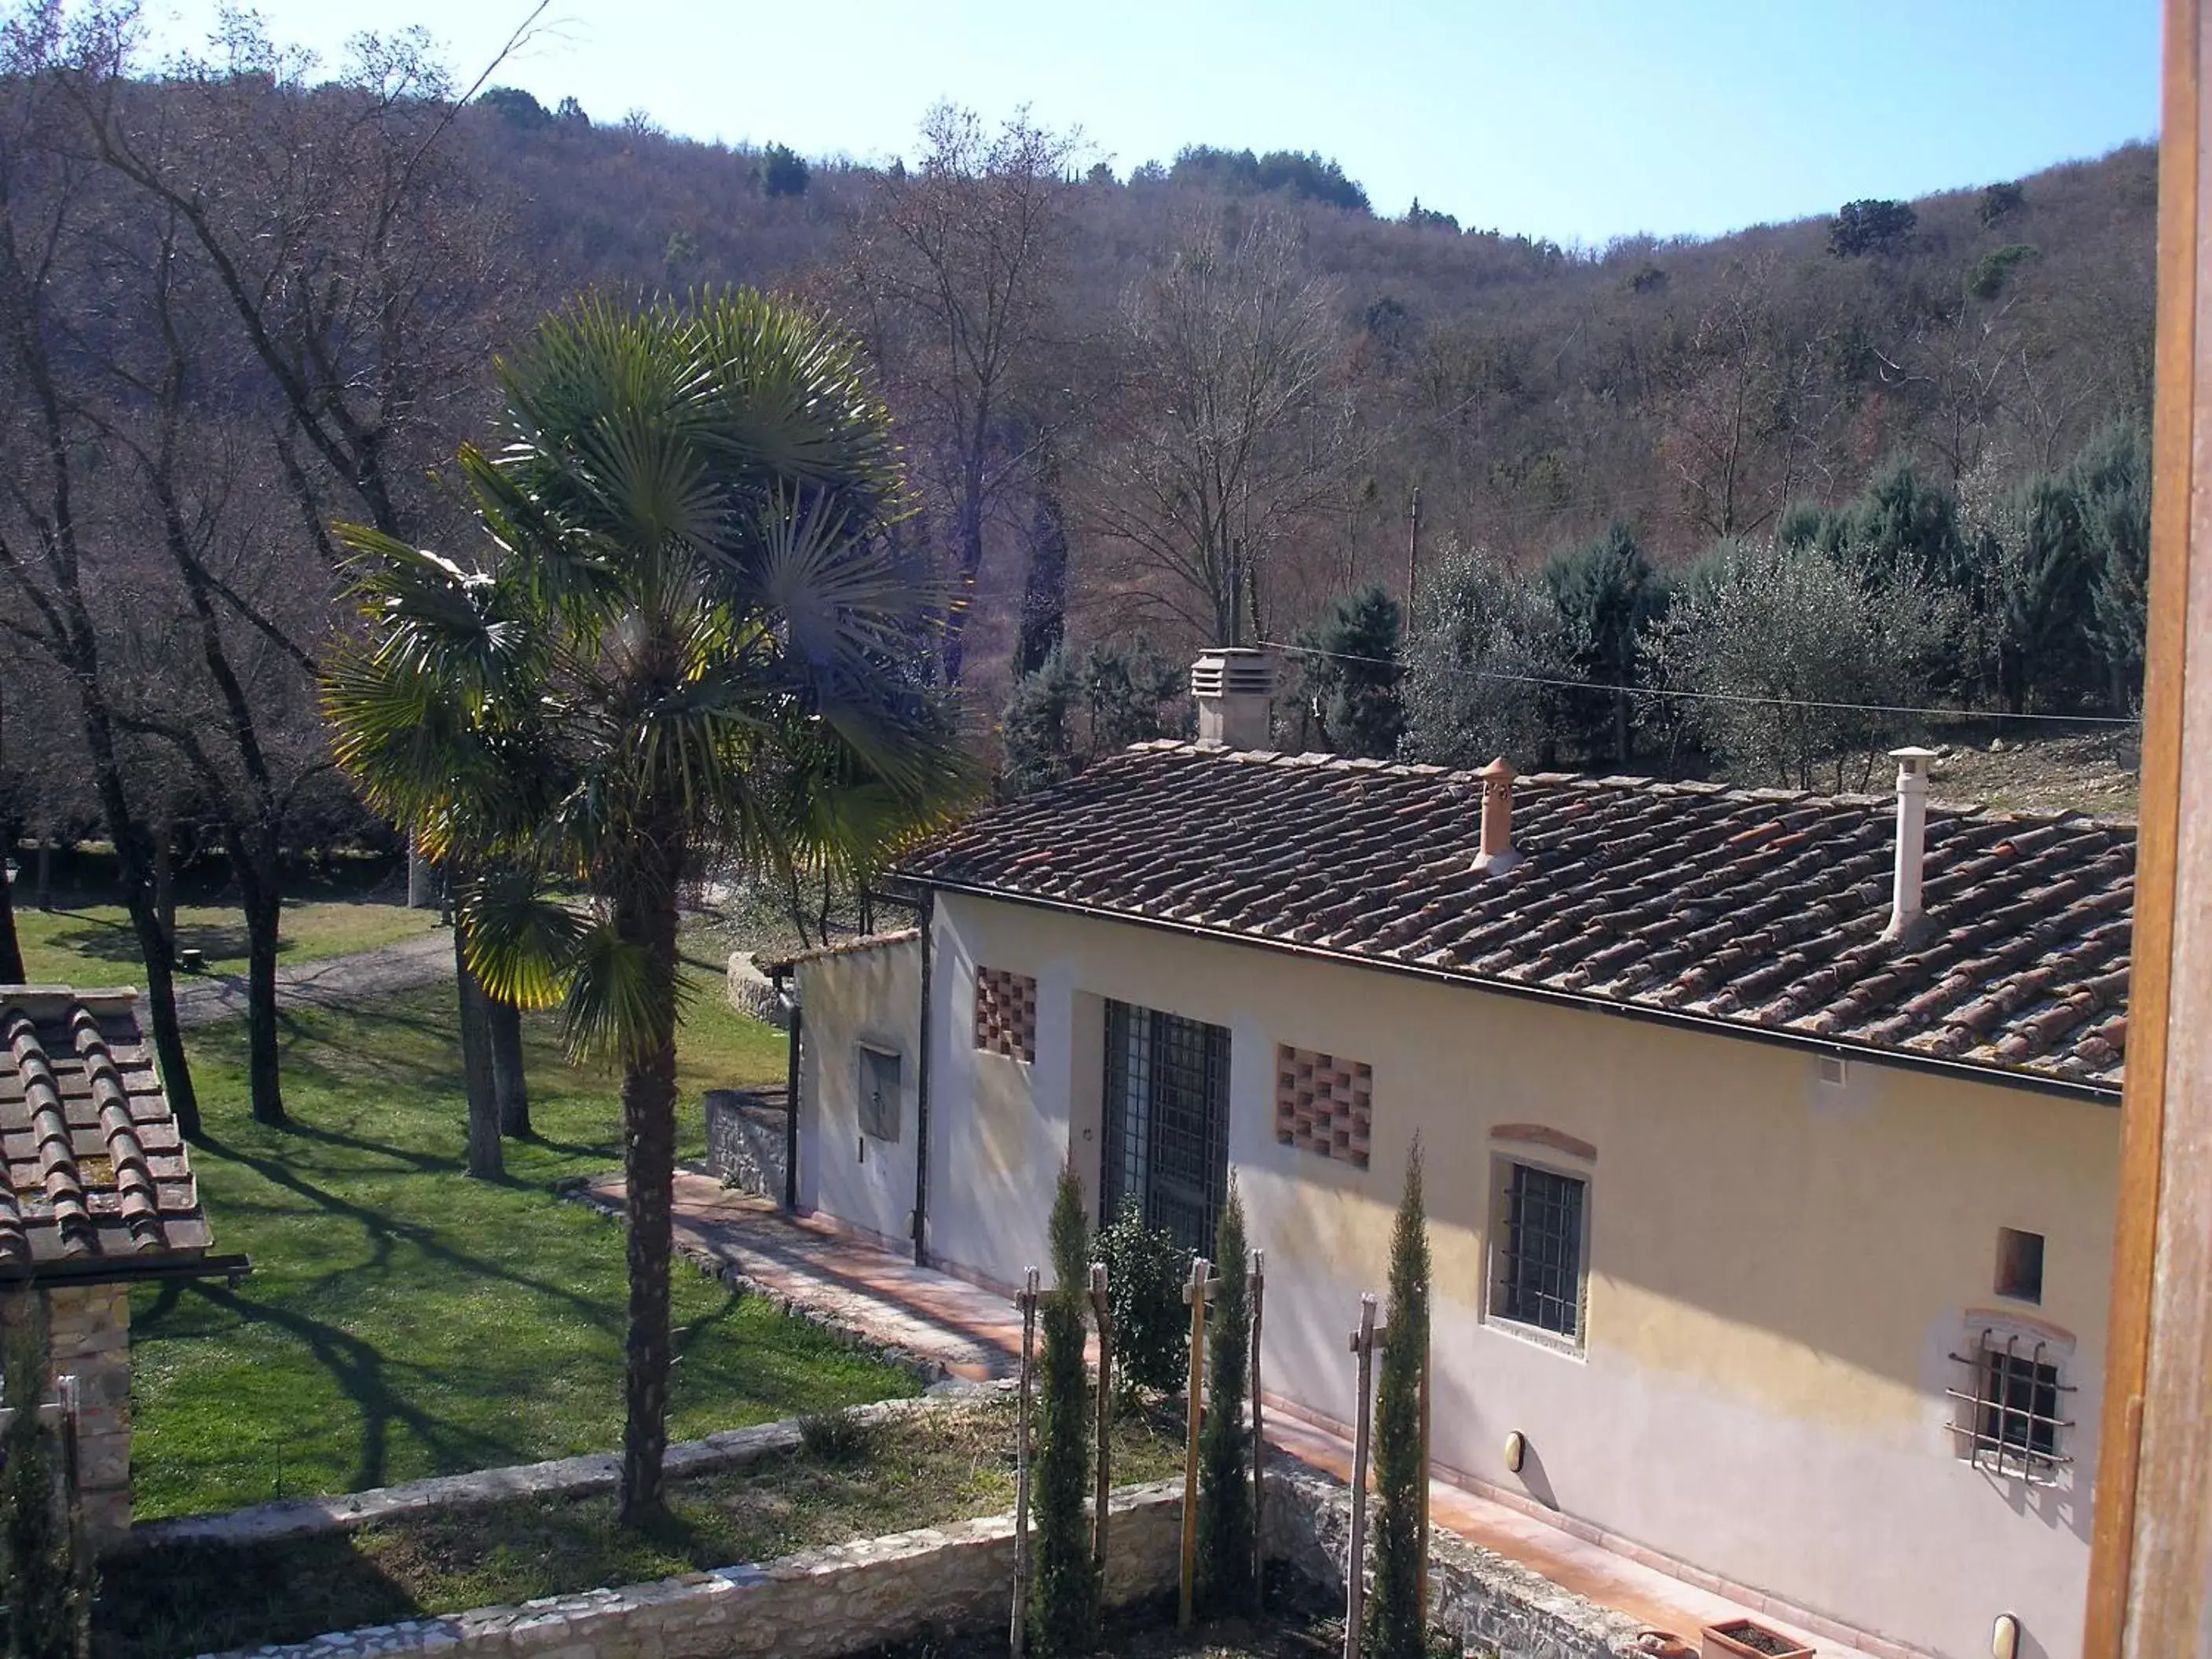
x,y
1530,394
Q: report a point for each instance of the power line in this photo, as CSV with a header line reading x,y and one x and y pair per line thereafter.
x,y
1721,696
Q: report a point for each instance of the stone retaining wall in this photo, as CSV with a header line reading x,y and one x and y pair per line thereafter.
x,y
1497,1606
848,1597
745,1144
814,1605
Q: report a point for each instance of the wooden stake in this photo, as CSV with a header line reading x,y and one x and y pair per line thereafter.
x,y
1027,1301
1195,1293
1365,1342
1102,1309
1258,1279
1421,1553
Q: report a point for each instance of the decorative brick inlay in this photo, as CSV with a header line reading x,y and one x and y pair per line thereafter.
x,y
1006,1014
1324,1103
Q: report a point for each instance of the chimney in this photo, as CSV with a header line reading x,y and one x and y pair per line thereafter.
x,y
1233,687
1905,915
1497,851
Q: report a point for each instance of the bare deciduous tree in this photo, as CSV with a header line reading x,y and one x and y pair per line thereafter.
x,y
954,268
1232,429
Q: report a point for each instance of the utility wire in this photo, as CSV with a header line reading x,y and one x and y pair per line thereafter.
x,y
1721,696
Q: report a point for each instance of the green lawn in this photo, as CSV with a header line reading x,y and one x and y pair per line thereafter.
x,y
403,1320
93,945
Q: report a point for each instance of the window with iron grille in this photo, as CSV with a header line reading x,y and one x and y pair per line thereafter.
x,y
1538,1254
1166,1139
2010,1416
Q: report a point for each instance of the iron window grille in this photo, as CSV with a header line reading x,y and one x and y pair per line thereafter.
x,y
1540,1277
1166,1121
2008,1421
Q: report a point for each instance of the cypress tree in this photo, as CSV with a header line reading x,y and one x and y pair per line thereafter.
x,y
1224,1492
1397,1623
47,1599
1064,1586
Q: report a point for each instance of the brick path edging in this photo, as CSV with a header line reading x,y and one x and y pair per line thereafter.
x,y
925,1367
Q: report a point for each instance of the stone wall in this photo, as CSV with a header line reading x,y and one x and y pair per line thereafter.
x,y
814,1605
745,1140
1497,1606
88,1327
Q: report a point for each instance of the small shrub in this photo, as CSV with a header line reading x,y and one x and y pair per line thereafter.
x,y
1146,1270
837,1437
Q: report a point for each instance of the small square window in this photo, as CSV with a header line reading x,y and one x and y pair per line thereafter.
x,y
880,1084
1539,1255
2019,1265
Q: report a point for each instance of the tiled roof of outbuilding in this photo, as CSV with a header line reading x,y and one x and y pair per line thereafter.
x,y
1761,910
95,1168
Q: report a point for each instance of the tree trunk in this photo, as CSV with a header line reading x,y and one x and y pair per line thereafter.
x,y
11,948
508,1080
165,884
263,903
486,1161
161,1009
647,916
45,896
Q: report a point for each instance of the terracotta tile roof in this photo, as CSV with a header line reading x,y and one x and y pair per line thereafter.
x,y
1763,909
95,1168
843,947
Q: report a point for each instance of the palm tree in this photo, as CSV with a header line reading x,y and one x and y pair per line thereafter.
x,y
690,638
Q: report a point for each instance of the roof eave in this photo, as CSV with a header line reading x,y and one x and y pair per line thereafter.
x,y
2099,1094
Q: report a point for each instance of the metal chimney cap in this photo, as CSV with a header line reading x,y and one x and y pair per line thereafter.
x,y
1911,753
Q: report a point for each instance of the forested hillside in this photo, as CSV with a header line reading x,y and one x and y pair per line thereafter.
x,y
1376,391
1211,397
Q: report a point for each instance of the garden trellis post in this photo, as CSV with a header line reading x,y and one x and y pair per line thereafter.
x,y
1100,1305
1026,1300
1259,1283
1203,1284
1365,1342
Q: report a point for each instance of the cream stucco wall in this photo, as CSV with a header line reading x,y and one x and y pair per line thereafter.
x,y
1778,1268
872,996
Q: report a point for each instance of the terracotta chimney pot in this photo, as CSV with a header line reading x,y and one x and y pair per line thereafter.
x,y
1497,851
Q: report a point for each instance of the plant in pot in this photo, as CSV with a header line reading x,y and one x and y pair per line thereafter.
x,y
1746,1639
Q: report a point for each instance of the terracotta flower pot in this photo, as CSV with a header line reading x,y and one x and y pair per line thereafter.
x,y
1745,1639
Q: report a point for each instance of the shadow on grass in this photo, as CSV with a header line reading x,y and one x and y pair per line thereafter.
x,y
207,1598
106,939
358,1368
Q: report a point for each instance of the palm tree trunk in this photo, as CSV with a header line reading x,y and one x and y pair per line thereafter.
x,y
509,1083
647,917
486,1161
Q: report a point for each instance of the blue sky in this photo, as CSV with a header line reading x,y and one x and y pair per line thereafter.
x,y
1576,119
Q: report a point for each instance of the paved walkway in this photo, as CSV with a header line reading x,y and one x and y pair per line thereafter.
x,y
975,1333
412,962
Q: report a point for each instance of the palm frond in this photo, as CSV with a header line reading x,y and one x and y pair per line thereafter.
x,y
523,939
620,1002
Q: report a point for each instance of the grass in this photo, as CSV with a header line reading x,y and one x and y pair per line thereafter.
x,y
93,944
951,1465
403,1320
